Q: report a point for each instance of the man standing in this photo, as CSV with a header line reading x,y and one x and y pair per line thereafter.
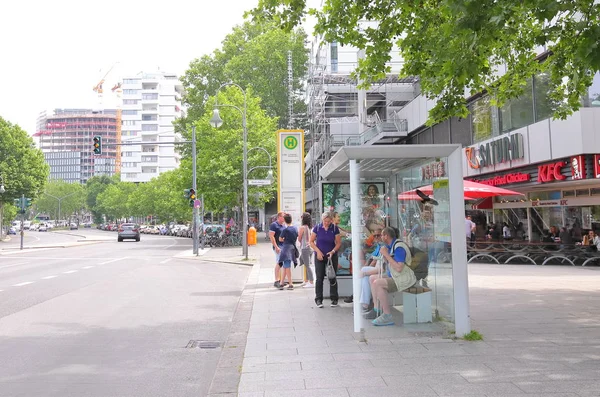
x,y
402,276
470,228
274,233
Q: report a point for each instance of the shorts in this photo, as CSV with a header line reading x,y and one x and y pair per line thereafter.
x,y
392,287
287,264
276,255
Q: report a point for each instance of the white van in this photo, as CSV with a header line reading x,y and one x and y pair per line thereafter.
x,y
16,225
26,225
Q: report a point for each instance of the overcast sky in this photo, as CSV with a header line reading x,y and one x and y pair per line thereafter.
x,y
54,51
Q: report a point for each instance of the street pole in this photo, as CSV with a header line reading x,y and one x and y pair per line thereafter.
x,y
22,218
245,209
202,223
195,209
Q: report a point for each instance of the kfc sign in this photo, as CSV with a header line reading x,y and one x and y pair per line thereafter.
x,y
551,172
516,177
578,167
433,170
597,166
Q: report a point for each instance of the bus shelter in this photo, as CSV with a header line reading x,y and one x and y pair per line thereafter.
x,y
365,185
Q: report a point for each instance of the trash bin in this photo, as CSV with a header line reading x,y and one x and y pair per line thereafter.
x,y
252,236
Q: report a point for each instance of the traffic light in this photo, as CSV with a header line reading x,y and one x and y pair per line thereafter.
x,y
27,203
97,144
186,193
192,197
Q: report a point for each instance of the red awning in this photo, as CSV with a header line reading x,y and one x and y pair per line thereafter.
x,y
412,195
473,190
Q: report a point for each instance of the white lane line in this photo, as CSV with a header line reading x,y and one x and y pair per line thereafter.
x,y
14,264
112,260
87,267
48,277
166,260
22,284
70,271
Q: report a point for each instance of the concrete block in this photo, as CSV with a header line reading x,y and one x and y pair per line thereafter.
x,y
417,307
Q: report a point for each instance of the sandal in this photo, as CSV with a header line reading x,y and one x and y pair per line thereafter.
x,y
291,286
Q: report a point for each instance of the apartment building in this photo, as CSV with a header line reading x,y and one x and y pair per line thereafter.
x,y
151,102
65,137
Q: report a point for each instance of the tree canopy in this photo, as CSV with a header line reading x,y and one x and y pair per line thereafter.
x,y
252,55
22,165
72,197
458,46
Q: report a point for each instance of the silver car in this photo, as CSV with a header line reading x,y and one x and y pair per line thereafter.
x,y
128,231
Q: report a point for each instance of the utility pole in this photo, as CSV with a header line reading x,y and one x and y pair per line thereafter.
x,y
195,208
202,223
22,218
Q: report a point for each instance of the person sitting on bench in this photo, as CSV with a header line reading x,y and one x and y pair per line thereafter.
x,y
402,276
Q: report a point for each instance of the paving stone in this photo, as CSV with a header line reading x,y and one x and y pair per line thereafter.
x,y
375,382
310,365
271,368
300,358
408,391
403,379
488,389
339,392
318,375
282,386
559,386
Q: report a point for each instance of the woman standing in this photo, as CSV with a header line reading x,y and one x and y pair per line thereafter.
x,y
303,239
325,240
288,237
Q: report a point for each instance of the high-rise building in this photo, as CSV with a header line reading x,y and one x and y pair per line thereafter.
x,y
151,102
65,136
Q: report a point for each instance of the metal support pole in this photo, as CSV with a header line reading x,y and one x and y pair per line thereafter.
x,y
22,218
1,219
202,223
195,210
245,209
355,222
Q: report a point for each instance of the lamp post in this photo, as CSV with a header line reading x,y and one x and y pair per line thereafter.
x,y
2,190
59,200
216,122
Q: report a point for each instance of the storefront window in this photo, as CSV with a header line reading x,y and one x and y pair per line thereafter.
x,y
543,104
518,112
481,119
593,97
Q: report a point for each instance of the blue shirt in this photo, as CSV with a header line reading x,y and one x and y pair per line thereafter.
x,y
399,255
277,229
325,240
290,235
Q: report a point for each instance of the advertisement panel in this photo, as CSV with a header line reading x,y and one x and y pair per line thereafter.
x,y
336,198
290,175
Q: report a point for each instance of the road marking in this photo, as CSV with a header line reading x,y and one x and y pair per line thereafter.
x,y
87,267
70,271
14,264
112,260
22,284
48,277
166,260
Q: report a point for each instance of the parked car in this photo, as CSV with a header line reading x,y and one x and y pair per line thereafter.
x,y
128,231
12,230
43,228
73,226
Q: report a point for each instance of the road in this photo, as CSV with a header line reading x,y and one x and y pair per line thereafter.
x,y
110,319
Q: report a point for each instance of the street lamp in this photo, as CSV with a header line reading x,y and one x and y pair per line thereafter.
x,y
269,167
2,190
59,200
216,122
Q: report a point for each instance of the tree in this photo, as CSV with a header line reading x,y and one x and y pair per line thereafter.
x,y
458,46
22,166
253,55
72,199
94,186
220,150
113,200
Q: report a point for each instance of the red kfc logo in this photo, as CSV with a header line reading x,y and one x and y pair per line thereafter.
x,y
577,167
551,172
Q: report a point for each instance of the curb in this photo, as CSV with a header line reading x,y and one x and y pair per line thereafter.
x,y
248,263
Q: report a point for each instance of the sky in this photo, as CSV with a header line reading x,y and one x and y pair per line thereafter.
x,y
54,52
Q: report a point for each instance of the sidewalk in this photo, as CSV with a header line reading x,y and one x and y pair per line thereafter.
x,y
540,327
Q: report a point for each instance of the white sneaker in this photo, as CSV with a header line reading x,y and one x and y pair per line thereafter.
x,y
309,285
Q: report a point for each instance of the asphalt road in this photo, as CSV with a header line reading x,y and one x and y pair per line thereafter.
x,y
110,319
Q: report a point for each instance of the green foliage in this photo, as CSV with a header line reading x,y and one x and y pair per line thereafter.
x,y
94,187
253,55
473,336
220,151
458,46
22,166
72,199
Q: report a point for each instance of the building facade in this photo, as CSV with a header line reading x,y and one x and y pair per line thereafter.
x,y
151,103
65,137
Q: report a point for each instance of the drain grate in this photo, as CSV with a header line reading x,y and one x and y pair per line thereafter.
x,y
203,344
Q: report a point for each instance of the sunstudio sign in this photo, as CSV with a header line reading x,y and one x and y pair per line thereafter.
x,y
498,151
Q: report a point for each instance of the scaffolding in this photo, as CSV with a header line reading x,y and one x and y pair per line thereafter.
x,y
333,118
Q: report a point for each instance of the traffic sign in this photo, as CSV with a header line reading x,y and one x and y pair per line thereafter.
x,y
197,204
259,182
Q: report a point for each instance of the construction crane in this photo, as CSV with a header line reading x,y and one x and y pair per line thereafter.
x,y
98,87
